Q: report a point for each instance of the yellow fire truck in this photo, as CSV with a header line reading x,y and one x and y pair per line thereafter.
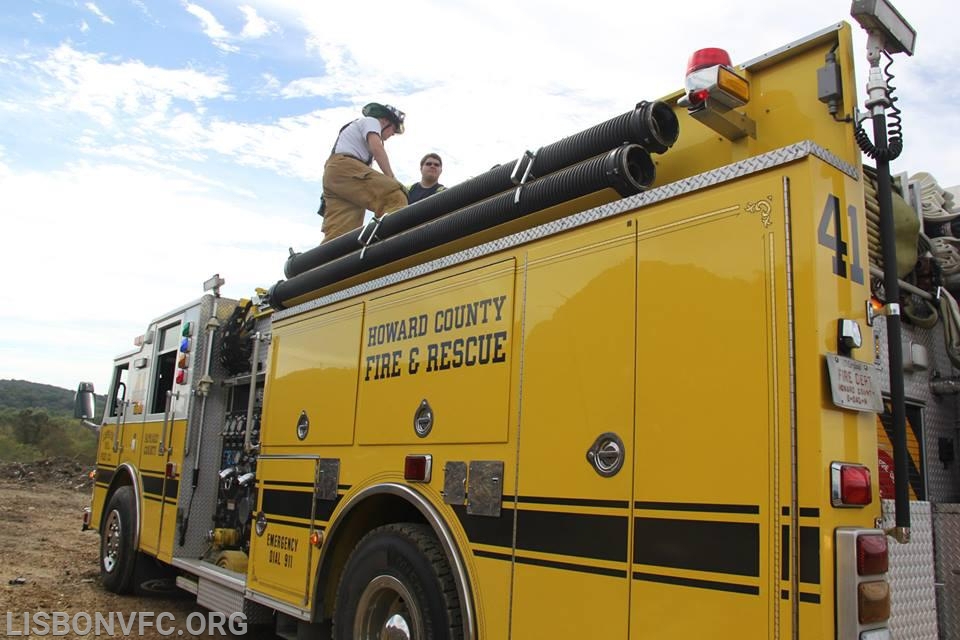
x,y
588,394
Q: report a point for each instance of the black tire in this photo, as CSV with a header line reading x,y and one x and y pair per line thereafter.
x,y
118,557
397,575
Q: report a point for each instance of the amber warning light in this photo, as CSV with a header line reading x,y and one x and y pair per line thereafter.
x,y
711,75
713,90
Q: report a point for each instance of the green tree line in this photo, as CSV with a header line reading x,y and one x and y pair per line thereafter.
x,y
36,422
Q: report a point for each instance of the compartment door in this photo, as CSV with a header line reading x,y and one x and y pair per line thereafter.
x,y
572,538
705,520
282,560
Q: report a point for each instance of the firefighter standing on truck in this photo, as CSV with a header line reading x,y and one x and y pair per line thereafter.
x,y
350,184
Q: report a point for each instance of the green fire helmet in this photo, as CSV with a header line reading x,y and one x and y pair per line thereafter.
x,y
391,113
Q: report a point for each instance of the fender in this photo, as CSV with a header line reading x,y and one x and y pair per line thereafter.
x,y
440,528
129,470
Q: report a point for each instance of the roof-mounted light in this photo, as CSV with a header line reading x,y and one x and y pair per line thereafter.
x,y
214,283
882,18
714,90
709,57
710,75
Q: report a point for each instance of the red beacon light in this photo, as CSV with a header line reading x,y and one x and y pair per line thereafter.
x,y
713,91
709,57
710,75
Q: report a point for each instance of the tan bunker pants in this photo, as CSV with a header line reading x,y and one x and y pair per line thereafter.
x,y
349,189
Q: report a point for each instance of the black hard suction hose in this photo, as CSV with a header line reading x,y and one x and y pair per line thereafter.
x,y
628,170
652,125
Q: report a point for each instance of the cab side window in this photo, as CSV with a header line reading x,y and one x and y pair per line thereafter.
x,y
119,387
166,366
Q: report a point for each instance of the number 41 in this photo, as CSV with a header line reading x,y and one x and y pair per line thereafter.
x,y
831,214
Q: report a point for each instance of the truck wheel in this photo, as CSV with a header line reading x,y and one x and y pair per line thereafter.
x,y
397,584
118,558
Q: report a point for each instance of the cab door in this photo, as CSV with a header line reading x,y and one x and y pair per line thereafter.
x,y
576,437
110,438
164,404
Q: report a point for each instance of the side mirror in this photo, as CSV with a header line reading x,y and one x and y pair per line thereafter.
x,y
83,402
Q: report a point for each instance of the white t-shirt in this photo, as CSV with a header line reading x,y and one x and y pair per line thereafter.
x,y
353,140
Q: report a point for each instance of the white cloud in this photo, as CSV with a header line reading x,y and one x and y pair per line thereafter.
x,y
184,229
256,27
270,83
105,90
38,17
521,75
84,27
147,114
95,10
143,9
211,27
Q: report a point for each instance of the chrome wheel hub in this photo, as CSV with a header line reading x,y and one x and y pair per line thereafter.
x,y
387,611
112,531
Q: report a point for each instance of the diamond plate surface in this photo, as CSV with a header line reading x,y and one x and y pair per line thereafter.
x,y
942,482
202,503
913,614
946,529
729,172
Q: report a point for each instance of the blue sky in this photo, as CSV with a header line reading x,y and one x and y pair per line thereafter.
x,y
147,144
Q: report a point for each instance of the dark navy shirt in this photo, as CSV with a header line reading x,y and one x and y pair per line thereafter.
x,y
417,192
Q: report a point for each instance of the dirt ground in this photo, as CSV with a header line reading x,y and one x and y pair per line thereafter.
x,y
48,565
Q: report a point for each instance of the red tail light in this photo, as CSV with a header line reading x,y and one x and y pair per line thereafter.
x,y
850,485
863,592
872,555
417,468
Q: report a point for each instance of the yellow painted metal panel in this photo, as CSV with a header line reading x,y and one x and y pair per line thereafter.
x,y
578,384
281,558
313,373
493,602
707,412
784,106
827,288
107,460
595,608
449,343
151,464
172,487
131,435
